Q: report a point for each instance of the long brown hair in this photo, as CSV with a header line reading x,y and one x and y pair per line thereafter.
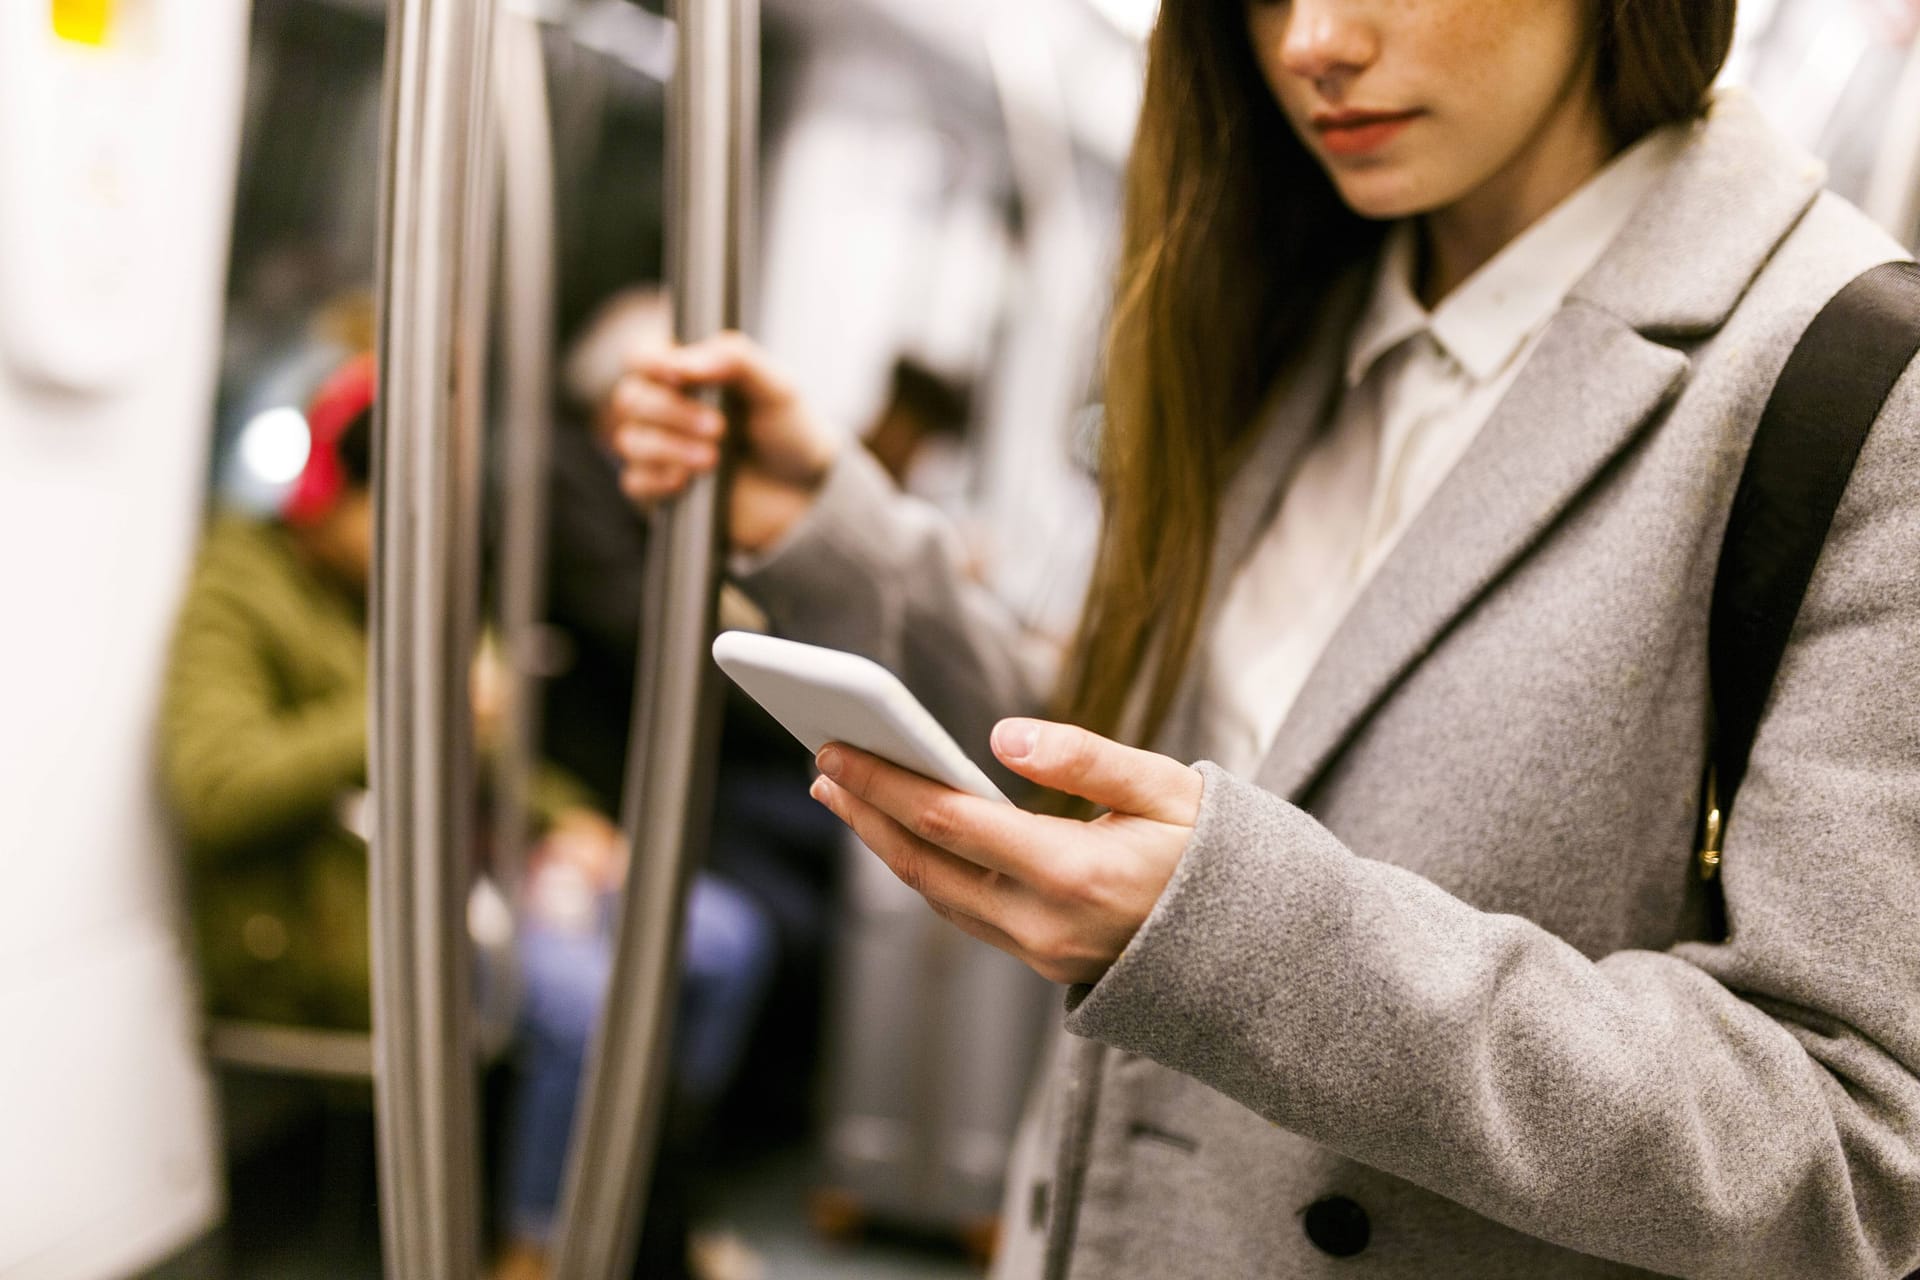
x,y
1233,236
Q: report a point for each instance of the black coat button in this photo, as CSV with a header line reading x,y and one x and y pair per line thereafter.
x,y
1337,1226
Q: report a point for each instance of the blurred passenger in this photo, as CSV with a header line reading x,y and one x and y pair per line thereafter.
x,y
596,558
768,837
924,415
1440,335
263,743
263,737
768,845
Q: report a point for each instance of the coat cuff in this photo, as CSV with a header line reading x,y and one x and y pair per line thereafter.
x,y
1222,928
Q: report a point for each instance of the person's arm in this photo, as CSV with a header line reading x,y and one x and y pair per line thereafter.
x,y
1743,1109
872,571
839,557
239,768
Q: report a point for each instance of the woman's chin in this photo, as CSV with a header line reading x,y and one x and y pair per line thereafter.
x,y
1386,193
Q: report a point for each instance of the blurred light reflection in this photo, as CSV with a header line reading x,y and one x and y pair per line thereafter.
x,y
274,445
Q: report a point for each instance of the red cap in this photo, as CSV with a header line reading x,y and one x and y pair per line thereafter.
x,y
345,395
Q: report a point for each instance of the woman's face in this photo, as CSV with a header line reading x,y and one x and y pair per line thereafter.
x,y
1414,105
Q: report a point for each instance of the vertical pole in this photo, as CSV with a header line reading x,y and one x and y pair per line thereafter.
x,y
668,800
436,185
526,393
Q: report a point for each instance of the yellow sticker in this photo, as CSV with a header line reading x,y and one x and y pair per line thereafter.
x,y
83,21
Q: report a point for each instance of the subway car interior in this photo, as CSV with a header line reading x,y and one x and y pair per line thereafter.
x,y
438,911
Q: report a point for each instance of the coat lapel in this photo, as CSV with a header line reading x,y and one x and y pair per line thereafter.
x,y
1599,376
1590,387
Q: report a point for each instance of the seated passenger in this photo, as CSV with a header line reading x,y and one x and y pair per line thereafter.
x,y
263,737
263,749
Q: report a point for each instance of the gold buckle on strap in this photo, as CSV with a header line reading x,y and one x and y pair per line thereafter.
x,y
1711,828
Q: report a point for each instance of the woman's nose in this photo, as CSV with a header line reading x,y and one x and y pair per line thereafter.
x,y
1327,42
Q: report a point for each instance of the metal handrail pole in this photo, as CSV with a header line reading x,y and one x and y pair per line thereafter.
x,y
743,200
434,179
390,587
527,271
668,799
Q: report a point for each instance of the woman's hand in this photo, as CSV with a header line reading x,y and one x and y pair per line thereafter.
x,y
665,435
1064,897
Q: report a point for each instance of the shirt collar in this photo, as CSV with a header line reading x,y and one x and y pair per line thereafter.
x,y
1486,321
1393,314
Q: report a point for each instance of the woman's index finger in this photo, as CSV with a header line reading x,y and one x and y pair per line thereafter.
x,y
988,833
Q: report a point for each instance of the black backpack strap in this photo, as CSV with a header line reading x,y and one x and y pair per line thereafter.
x,y
1823,405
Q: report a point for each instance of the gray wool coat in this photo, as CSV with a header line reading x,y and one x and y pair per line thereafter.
x,y
1429,995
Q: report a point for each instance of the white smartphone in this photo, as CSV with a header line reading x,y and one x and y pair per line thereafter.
x,y
825,695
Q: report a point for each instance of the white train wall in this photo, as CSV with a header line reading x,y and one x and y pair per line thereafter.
x,y
119,123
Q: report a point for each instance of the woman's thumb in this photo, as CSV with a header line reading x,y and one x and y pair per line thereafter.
x,y
1124,779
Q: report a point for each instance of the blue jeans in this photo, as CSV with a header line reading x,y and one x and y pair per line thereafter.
x,y
727,957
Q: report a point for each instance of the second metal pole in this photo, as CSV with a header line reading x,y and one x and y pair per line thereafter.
x,y
667,799
435,181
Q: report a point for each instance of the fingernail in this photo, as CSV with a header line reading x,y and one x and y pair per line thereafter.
x,y
818,790
830,761
1014,739
713,423
630,440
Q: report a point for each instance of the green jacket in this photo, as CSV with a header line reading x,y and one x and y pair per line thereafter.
x,y
263,748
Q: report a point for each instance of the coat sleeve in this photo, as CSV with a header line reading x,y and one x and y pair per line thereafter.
x,y
239,768
875,572
1744,1109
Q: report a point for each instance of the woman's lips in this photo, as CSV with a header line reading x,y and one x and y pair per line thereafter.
x,y
1356,133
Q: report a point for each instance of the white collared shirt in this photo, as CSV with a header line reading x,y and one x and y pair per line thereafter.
x,y
1418,387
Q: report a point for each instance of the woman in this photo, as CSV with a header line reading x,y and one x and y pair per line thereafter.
x,y
1440,334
